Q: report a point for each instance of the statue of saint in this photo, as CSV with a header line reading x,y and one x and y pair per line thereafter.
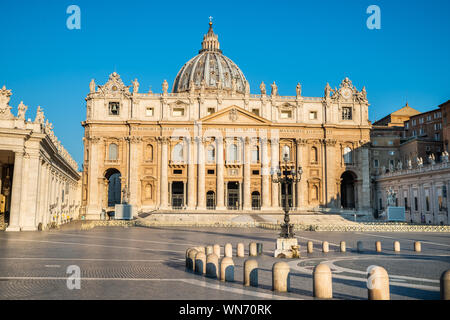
x,y
262,87
399,165
165,87
445,156
298,90
432,159
233,85
39,115
391,197
92,86
409,163
419,162
135,86
327,90
274,89
21,111
247,88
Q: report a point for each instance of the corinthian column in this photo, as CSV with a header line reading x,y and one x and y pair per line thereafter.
x,y
265,175
191,175
275,165
164,168
299,144
219,179
247,162
201,202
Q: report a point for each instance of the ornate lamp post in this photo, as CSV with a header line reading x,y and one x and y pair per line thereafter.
x,y
287,229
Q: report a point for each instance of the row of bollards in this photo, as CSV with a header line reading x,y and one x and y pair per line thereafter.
x,y
255,249
377,277
359,246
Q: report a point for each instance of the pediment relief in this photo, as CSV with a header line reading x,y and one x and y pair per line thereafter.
x,y
286,106
234,115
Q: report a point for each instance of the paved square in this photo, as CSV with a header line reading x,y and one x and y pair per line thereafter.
x,y
149,263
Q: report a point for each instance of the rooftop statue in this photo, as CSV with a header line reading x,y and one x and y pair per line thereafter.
x,y
274,89
22,109
92,86
298,90
165,86
135,86
262,87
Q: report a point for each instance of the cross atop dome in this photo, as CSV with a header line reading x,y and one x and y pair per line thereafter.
x,y
210,40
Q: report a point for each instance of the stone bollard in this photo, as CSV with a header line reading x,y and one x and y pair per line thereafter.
x,y
251,273
187,256
322,282
200,263
378,283
228,250
343,246
252,249
191,259
209,250
445,285
417,246
310,247
359,246
280,277
240,250
325,247
396,246
378,246
216,249
212,266
200,249
227,269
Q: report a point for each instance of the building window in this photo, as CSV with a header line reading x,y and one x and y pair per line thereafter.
x,y
380,203
406,203
437,136
346,113
255,154
178,112
114,108
211,154
149,112
210,171
210,111
421,120
427,203
286,114
416,204
177,153
177,171
348,157
286,153
314,155
233,153
414,133
376,163
414,122
255,111
255,172
421,131
312,115
113,152
406,125
429,117
390,143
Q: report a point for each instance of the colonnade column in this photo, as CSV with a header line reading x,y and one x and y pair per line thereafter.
x,y
299,144
164,168
265,175
191,174
274,157
247,161
201,195
220,180
16,193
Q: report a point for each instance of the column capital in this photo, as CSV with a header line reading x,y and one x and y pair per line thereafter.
x,y
274,140
300,141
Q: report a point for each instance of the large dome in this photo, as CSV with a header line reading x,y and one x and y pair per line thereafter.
x,y
210,68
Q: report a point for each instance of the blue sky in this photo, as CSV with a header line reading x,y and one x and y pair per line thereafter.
x,y
312,42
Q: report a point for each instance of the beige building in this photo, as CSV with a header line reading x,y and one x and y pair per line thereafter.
x,y
39,182
211,145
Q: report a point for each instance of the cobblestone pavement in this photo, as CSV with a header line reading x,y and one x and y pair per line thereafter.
x,y
148,263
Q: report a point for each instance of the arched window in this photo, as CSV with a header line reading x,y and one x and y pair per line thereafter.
x,y
177,153
255,154
286,153
149,153
211,153
348,157
233,153
113,152
314,155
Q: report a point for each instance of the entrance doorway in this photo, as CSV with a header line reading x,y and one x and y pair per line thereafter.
x,y
114,187
177,195
233,195
348,190
256,200
210,200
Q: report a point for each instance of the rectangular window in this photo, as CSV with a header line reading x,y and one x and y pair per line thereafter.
x,y
416,204
149,112
255,172
406,203
414,122
286,114
421,120
346,113
414,133
255,111
406,125
210,111
427,203
312,115
178,112
114,108
376,163
429,118
437,136
210,171
177,171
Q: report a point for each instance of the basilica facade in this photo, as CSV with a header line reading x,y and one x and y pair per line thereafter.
x,y
211,146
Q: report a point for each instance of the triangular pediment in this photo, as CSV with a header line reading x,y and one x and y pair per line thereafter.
x,y
234,115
